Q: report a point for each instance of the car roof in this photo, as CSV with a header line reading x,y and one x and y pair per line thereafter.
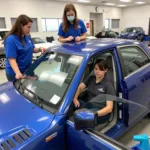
x,y
89,47
2,29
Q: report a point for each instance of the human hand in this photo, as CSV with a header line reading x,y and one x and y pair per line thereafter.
x,y
42,49
70,38
78,38
20,76
76,103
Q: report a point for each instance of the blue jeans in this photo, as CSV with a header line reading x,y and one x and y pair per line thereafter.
x,y
94,108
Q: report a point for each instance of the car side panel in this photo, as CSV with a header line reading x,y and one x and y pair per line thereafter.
x,y
56,130
2,52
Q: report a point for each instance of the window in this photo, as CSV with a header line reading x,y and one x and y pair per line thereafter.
x,y
13,20
133,58
115,23
48,80
2,34
34,27
112,34
2,23
59,21
51,24
37,40
107,23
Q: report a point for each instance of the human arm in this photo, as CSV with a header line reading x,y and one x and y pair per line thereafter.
x,y
83,32
109,103
106,110
80,38
64,40
81,87
41,49
15,68
61,34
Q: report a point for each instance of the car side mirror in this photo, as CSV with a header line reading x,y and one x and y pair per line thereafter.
x,y
85,119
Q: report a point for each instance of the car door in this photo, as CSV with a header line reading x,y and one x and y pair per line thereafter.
x,y
81,134
135,65
88,140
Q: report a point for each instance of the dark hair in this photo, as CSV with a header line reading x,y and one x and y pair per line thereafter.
x,y
16,29
102,64
67,8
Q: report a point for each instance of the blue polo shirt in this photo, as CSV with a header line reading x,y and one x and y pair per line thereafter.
x,y
21,52
73,32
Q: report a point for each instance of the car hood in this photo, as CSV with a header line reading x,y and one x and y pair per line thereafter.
x,y
16,112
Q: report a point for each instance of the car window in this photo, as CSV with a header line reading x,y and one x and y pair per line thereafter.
x,y
134,58
2,34
37,40
103,33
48,79
129,30
140,29
112,34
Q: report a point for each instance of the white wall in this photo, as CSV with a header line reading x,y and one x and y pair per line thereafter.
x,y
136,16
98,21
50,9
113,13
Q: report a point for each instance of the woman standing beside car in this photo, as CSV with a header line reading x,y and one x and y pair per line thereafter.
x,y
19,48
72,28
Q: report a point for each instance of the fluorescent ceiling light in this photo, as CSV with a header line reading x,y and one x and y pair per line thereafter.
x,y
126,1
110,4
122,5
84,1
139,2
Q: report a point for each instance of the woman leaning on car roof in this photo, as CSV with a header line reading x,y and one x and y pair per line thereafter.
x,y
72,28
19,48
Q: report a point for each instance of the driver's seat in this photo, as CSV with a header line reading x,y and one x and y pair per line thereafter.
x,y
110,120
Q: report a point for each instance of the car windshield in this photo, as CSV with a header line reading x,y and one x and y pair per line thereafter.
x,y
2,34
37,40
129,30
48,78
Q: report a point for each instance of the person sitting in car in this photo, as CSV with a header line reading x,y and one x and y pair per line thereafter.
x,y
97,84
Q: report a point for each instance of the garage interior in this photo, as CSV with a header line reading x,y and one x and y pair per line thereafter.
x,y
97,15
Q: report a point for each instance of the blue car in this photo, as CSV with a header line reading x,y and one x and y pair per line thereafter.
x,y
134,33
36,112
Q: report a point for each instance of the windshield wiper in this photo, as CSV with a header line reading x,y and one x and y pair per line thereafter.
x,y
39,100
21,89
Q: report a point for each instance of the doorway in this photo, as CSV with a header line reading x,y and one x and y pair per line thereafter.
x,y
92,27
96,23
149,28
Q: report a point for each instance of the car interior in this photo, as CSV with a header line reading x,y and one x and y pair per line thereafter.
x,y
111,76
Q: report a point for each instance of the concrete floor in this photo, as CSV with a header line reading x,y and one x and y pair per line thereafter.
x,y
2,76
143,127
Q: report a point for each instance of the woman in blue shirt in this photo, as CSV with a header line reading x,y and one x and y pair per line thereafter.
x,y
72,28
19,48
